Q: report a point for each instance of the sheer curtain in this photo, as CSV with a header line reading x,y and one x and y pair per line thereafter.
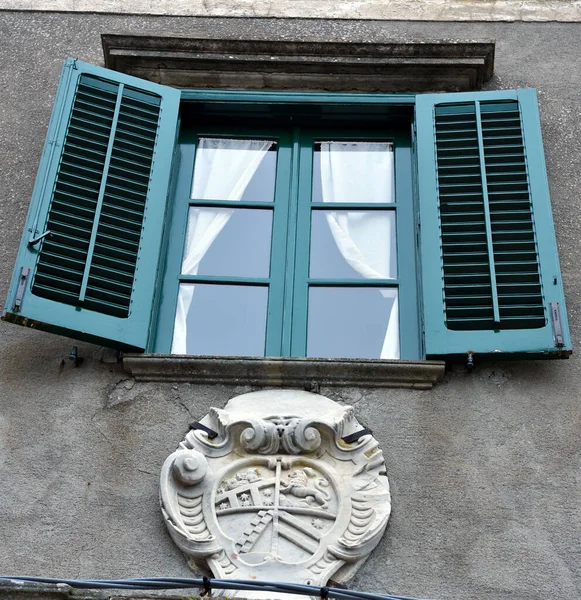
x,y
364,172
223,169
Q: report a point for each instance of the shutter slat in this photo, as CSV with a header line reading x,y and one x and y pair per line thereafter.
x,y
72,287
115,251
99,197
125,214
117,241
111,274
485,203
113,262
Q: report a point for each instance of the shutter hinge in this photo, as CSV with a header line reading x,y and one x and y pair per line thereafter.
x,y
557,324
24,272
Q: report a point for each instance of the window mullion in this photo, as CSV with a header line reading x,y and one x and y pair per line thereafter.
x,y
290,261
298,293
409,331
279,250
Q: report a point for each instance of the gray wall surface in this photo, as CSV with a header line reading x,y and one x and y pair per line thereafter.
x,y
485,468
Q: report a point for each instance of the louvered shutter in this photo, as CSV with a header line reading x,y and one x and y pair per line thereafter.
x,y
490,270
87,265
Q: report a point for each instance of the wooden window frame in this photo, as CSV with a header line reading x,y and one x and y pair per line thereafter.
x,y
289,281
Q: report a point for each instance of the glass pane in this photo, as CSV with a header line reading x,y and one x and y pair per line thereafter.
x,y
222,320
224,241
356,243
261,186
228,169
353,172
353,323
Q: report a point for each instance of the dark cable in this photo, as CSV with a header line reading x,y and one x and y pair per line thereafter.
x,y
206,584
206,590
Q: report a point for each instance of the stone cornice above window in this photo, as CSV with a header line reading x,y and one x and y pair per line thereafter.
x,y
302,66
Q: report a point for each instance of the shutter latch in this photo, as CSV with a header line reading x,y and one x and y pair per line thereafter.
x,y
557,324
34,241
21,287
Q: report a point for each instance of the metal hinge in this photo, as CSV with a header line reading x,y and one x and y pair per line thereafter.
x,y
24,271
557,324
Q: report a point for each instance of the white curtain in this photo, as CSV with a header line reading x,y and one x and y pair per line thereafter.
x,y
364,172
222,171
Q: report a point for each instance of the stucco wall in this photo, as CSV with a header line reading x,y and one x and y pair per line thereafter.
x,y
484,468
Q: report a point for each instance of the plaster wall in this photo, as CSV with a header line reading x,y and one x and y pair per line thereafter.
x,y
484,468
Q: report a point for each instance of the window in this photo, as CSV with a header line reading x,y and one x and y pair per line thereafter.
x,y
327,225
290,243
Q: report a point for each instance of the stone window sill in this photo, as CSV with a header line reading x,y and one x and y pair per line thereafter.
x,y
306,373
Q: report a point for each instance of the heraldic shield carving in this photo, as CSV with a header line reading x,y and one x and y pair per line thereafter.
x,y
277,494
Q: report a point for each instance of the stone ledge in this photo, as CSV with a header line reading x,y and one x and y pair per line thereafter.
x,y
402,10
303,66
306,373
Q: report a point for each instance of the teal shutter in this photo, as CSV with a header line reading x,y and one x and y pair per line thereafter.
x,y
88,261
490,270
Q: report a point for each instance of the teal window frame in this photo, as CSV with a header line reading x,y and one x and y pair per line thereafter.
x,y
289,281
516,124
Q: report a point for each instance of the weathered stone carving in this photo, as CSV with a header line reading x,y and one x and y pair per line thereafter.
x,y
277,495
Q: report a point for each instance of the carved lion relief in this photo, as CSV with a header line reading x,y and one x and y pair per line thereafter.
x,y
278,494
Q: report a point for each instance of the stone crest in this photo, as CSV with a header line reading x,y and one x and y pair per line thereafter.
x,y
278,494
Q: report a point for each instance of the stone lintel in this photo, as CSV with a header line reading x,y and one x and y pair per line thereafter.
x,y
285,372
283,65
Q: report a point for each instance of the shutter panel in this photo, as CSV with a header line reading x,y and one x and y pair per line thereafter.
x,y
490,270
87,265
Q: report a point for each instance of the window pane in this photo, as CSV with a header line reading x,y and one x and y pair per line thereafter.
x,y
228,169
358,244
261,186
220,320
224,241
353,323
353,172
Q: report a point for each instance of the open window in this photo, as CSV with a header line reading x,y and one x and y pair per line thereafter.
x,y
424,231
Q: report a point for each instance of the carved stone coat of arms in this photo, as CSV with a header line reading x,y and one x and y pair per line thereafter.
x,y
278,494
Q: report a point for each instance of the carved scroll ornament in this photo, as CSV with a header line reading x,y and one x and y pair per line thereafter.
x,y
277,494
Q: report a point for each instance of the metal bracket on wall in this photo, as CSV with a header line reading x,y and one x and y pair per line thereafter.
x,y
353,437
24,272
211,433
75,358
470,361
557,324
